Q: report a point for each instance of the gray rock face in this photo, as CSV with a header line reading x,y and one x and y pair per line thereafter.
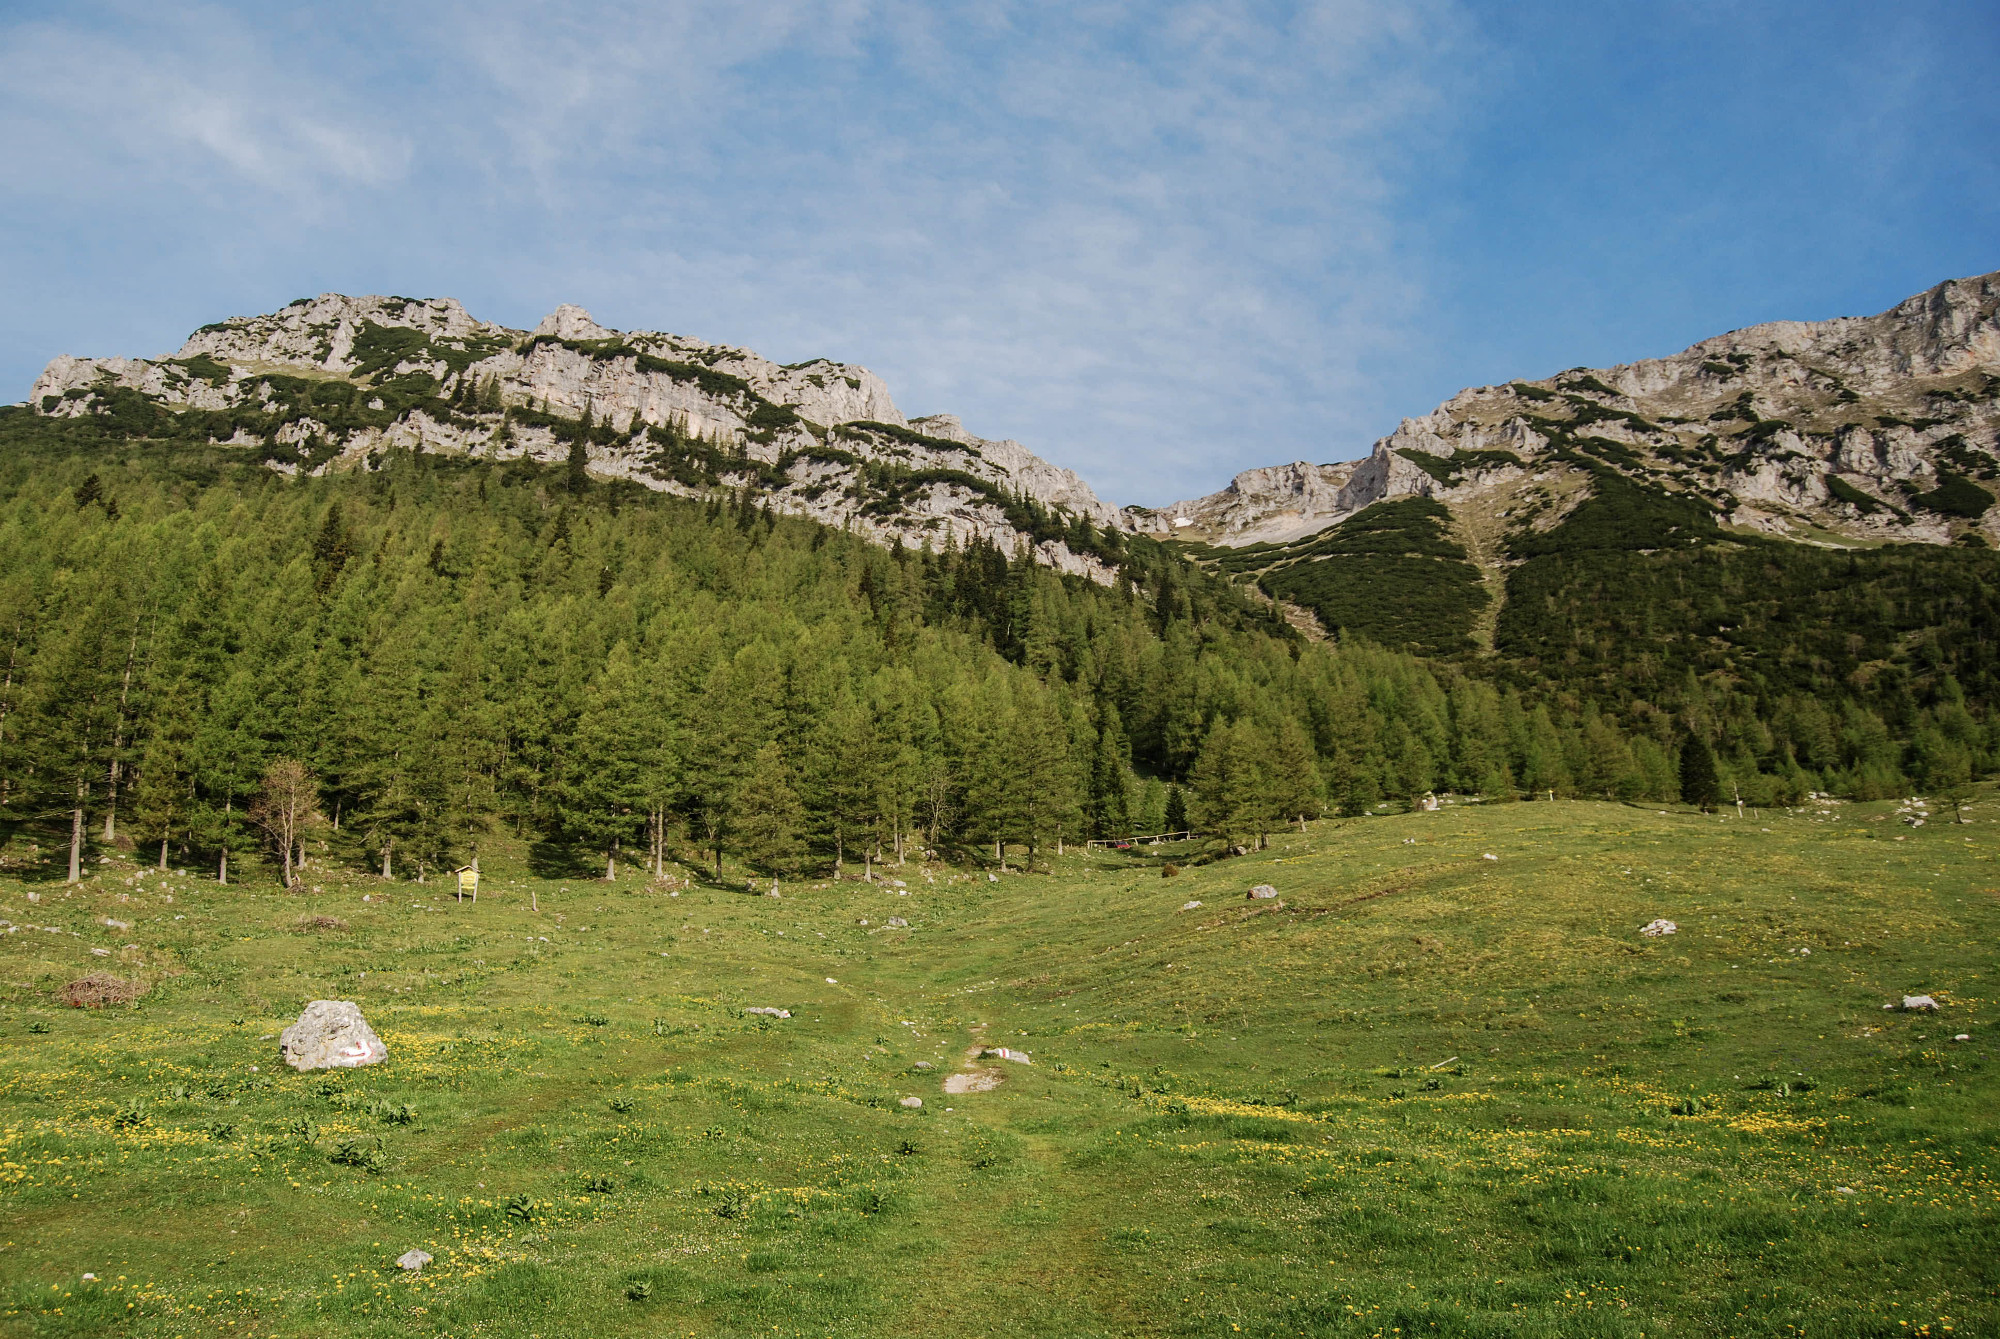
x,y
1919,1004
1659,927
331,1034
773,1013
1782,426
824,421
1262,890
413,1260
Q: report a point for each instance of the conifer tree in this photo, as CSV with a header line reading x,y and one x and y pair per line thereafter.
x,y
603,789
1227,786
1296,788
1700,786
768,817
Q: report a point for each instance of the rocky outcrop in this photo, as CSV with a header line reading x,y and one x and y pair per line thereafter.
x,y
1862,427
331,1034
330,382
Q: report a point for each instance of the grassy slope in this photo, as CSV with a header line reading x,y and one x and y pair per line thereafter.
x,y
1230,1127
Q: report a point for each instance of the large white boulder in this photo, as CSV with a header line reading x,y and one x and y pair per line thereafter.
x,y
331,1034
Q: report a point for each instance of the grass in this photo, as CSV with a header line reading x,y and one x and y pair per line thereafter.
x,y
1425,1093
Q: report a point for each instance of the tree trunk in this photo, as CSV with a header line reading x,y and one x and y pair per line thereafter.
x,y
610,866
163,855
718,862
76,838
287,844
387,846
118,740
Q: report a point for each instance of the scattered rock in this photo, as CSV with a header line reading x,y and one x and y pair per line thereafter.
x,y
331,1034
117,925
1963,1036
1262,890
1189,906
911,1102
897,922
922,1064
1018,1057
1489,856
1659,927
1919,1003
992,878
413,1260
831,982
766,1009
100,953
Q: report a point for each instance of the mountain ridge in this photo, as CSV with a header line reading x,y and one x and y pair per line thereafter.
x,y
1815,431
818,439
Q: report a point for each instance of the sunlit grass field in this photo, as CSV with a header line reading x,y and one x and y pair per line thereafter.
x,y
1424,1092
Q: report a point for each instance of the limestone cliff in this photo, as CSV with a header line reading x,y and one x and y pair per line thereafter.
x,y
328,382
1860,429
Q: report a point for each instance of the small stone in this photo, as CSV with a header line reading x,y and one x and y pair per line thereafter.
x,y
413,1260
992,878
923,1064
1262,890
767,1009
898,922
117,925
911,1102
1919,1004
331,1034
1489,856
1963,1036
101,952
1658,928
1189,906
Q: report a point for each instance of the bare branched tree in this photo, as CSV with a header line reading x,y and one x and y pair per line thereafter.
x,y
286,808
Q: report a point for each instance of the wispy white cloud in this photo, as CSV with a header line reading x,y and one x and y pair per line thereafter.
x,y
188,96
1157,242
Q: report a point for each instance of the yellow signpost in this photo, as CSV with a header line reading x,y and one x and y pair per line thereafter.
x,y
468,882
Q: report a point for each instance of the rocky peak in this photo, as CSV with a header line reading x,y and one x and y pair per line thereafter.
x,y
1872,428
820,439
570,321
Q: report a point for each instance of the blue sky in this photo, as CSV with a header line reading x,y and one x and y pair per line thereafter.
x,y
1158,243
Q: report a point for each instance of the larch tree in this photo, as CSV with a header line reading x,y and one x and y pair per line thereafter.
x,y
286,807
768,817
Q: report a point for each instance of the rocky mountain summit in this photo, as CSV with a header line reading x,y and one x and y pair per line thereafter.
x,y
1855,430
330,382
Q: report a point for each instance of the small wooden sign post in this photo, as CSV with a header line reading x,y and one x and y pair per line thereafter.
x,y
468,882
